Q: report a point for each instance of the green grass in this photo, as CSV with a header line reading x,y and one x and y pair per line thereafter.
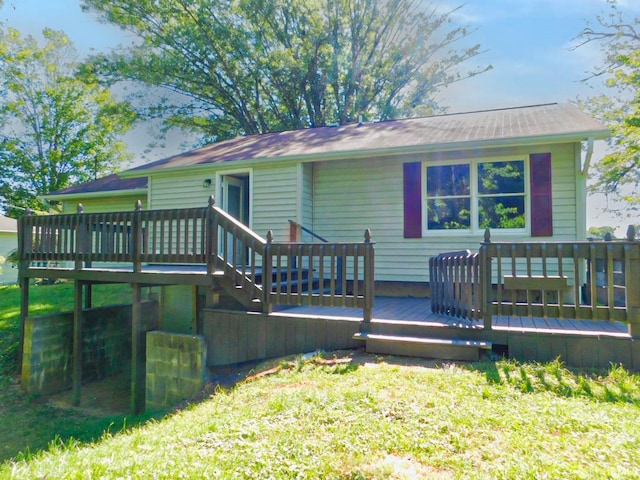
x,y
27,423
336,418
356,416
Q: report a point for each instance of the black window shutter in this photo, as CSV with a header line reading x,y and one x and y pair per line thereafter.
x,y
541,196
412,180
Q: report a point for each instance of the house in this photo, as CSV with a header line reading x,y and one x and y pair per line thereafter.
x,y
422,185
380,200
8,244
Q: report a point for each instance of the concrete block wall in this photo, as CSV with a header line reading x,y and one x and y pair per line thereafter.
x,y
47,361
176,368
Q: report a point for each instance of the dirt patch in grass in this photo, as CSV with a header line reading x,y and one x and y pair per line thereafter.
x,y
111,396
108,397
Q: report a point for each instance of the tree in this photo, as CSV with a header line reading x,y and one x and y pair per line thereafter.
x,y
619,172
256,66
57,129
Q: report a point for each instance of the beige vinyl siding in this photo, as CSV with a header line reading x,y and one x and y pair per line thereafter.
x,y
8,243
181,190
307,196
274,195
109,203
275,199
351,196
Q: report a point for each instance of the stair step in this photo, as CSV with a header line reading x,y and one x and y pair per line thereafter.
x,y
424,347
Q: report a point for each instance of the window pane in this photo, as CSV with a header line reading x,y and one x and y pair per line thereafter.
x,y
501,212
448,180
501,177
448,214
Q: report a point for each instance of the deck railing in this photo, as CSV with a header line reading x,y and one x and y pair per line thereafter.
x,y
564,280
264,269
454,279
335,274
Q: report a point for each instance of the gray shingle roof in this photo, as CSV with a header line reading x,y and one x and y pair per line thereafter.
x,y
110,183
466,130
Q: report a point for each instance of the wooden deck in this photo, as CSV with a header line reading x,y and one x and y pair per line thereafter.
x,y
418,310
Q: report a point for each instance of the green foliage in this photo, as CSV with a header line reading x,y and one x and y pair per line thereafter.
x,y
601,232
235,67
619,172
58,130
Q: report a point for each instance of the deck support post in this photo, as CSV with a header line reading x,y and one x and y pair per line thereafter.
x,y
88,296
24,313
138,354
78,320
632,287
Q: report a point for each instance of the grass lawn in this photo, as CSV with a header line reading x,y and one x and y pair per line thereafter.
x,y
349,415
27,423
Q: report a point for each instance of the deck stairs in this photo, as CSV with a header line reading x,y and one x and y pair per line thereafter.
x,y
424,340
299,280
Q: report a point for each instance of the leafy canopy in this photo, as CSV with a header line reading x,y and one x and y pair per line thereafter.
x,y
619,36
234,67
57,130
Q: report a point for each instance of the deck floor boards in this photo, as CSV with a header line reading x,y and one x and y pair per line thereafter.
x,y
411,309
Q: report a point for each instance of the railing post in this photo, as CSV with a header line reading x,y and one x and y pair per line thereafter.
x,y
25,240
485,280
369,276
632,282
136,237
82,237
267,273
211,236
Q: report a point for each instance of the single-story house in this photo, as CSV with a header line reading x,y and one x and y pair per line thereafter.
x,y
8,243
107,194
422,185
387,197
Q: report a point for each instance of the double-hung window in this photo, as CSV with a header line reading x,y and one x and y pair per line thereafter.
x,y
474,195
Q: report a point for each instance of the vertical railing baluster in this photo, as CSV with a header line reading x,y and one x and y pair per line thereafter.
x,y
611,302
593,280
577,260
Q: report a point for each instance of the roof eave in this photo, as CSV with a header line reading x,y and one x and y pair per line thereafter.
x,y
102,193
530,140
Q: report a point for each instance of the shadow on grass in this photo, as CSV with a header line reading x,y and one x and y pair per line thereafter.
x,y
615,385
30,424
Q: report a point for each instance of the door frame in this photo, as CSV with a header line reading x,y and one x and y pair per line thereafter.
x,y
224,177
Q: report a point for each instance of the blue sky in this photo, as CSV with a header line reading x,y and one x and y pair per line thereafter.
x,y
526,41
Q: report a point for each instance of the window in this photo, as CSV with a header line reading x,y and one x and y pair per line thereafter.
x,y
476,195
448,197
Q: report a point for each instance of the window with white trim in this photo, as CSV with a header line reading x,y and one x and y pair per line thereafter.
x,y
475,195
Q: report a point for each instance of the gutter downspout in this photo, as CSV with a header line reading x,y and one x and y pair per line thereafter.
x,y
581,191
587,159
